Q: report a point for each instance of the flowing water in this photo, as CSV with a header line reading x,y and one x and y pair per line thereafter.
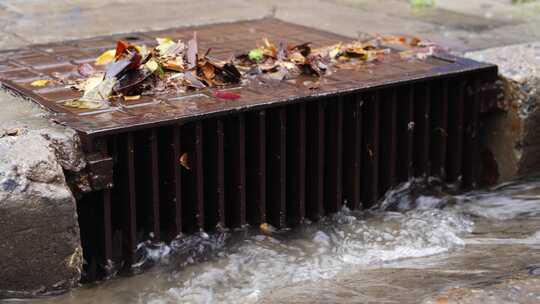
x,y
419,242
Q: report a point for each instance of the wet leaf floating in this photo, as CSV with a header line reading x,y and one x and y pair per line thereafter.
x,y
267,229
40,83
226,95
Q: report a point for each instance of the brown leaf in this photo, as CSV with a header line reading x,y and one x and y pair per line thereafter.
x,y
129,83
184,161
208,70
303,48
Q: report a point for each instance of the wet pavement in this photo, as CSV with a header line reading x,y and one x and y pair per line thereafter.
x,y
461,25
421,245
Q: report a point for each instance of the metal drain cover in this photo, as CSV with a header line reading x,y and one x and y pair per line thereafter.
x,y
19,68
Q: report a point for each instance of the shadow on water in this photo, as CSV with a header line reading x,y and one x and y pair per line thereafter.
x,y
419,241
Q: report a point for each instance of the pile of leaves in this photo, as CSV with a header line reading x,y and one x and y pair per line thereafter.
x,y
288,62
132,70
174,66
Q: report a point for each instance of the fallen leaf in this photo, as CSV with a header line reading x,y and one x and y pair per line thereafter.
x,y
121,48
106,57
442,300
231,73
40,83
132,98
85,69
208,70
193,81
117,67
184,161
192,52
152,65
267,229
297,58
84,104
335,51
130,83
97,91
226,95
256,55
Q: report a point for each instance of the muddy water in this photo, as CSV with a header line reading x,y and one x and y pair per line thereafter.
x,y
418,243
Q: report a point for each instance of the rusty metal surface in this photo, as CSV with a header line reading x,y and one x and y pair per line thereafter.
x,y
49,61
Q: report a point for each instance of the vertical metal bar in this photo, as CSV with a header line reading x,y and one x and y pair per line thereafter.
x,y
107,227
256,167
296,163
371,151
302,162
455,132
277,173
262,166
387,161
154,168
334,155
177,207
439,129
405,133
315,158
199,174
220,173
107,214
130,215
242,168
471,155
352,152
409,137
236,168
422,126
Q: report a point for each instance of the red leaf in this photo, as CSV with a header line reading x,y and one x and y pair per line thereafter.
x,y
226,95
121,47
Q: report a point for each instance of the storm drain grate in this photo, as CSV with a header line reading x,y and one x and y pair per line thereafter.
x,y
281,153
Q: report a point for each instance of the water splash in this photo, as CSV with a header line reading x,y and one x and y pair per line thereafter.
x,y
259,264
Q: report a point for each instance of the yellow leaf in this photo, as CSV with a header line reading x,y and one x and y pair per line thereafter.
x,y
40,83
164,40
83,104
335,51
267,229
164,44
151,65
296,57
106,58
130,98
